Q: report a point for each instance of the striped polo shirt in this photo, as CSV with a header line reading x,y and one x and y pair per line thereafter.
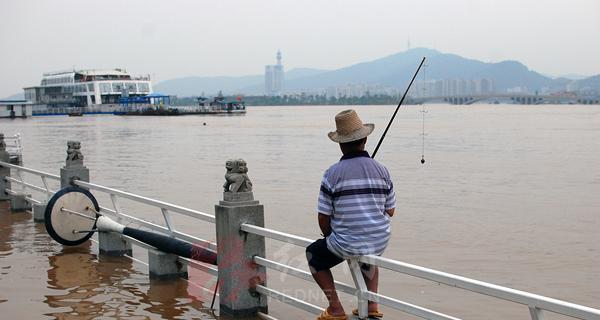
x,y
355,192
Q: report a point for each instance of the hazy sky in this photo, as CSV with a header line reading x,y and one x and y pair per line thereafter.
x,y
169,39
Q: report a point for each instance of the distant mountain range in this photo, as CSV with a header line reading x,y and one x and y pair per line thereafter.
x,y
16,96
254,84
391,71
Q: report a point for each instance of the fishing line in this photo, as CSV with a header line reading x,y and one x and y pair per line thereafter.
x,y
423,114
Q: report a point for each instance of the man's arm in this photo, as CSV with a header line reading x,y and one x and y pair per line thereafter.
x,y
325,224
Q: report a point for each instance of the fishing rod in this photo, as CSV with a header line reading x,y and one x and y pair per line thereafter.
x,y
397,108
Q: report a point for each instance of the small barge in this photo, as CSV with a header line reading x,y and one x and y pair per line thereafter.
x,y
217,106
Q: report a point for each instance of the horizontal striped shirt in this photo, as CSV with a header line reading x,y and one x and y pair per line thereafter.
x,y
355,193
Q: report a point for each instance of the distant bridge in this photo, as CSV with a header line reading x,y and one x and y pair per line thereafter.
x,y
509,98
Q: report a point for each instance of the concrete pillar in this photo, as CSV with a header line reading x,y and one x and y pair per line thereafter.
x,y
4,171
165,266
74,168
38,211
237,272
18,202
113,244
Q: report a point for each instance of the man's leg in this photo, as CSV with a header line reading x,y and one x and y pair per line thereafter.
x,y
324,279
371,276
320,261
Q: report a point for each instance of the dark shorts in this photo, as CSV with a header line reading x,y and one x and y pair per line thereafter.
x,y
320,258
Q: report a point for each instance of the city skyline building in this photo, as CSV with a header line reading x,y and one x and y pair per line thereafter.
x,y
453,87
274,77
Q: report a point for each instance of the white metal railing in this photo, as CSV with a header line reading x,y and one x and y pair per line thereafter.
x,y
116,211
536,303
19,170
165,208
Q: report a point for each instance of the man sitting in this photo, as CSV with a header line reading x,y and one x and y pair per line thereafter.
x,y
356,202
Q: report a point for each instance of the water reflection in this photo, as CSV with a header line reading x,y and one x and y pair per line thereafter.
x,y
90,286
7,230
74,270
170,299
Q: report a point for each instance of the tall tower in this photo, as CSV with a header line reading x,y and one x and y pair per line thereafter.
x,y
274,77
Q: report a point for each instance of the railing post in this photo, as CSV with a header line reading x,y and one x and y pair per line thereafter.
x,y
361,286
4,171
74,168
536,313
164,266
18,201
238,274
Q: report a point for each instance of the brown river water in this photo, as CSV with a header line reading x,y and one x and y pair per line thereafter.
x,y
508,195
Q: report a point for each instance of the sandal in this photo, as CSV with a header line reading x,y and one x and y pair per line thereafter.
x,y
372,314
326,316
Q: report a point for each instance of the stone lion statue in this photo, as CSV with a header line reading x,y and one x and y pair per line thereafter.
x,y
236,177
73,151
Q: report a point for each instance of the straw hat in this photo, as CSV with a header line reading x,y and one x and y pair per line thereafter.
x,y
349,127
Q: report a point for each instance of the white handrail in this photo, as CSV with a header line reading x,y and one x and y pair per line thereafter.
x,y
276,235
517,296
156,203
28,170
289,300
522,297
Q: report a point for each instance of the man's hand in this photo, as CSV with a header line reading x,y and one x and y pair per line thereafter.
x,y
390,212
325,224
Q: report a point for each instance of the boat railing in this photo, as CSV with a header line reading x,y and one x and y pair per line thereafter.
x,y
536,304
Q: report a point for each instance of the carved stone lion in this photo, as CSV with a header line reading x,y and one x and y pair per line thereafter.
x,y
236,177
73,152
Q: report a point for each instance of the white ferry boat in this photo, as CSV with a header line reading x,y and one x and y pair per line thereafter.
x,y
92,91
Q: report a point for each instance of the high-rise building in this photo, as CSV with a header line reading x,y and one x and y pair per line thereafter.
x,y
274,77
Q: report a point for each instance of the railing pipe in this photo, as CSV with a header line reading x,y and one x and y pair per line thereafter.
x,y
167,217
301,274
408,307
161,204
48,191
20,176
115,203
28,185
529,299
276,235
308,307
28,170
